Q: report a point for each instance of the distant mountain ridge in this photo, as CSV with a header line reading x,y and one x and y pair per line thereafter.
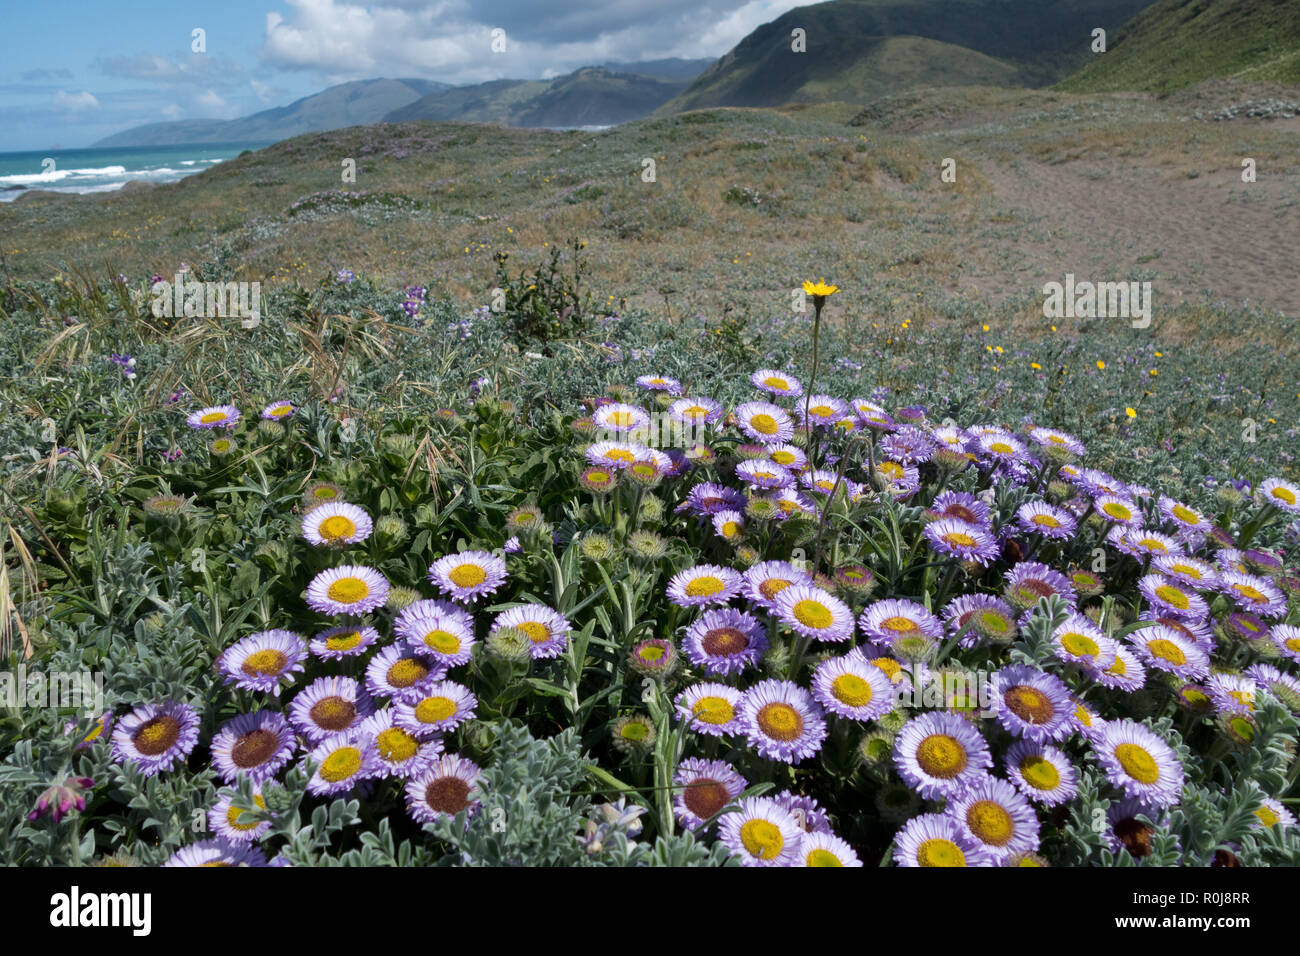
x,y
347,104
592,96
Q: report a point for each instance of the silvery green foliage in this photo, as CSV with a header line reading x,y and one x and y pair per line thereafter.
x,y
534,809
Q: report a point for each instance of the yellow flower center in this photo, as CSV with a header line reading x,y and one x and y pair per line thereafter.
x,y
341,764
780,721
1040,773
406,672
890,667
1080,645
764,424
348,590
621,419
1117,511
444,642
706,585
1029,704
762,839
990,822
343,642
959,539
1284,494
942,756
821,857
852,690
940,852
783,458
1250,592
813,614
537,632
267,662
1137,763
1186,515
337,528
1267,817
1168,651
779,384
467,575
1173,597
1046,521
395,745
434,710
713,710
900,625
822,411
212,417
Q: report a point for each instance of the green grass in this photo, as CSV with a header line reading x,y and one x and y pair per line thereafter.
x,y
1176,43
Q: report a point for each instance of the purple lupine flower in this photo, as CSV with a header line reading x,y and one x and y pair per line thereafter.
x,y
60,798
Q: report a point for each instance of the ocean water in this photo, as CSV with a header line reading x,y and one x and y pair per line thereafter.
x,y
107,169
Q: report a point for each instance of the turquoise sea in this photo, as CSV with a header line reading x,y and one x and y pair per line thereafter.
x,y
109,168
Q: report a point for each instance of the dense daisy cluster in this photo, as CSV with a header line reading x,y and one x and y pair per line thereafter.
x,y
353,708
1084,602
816,632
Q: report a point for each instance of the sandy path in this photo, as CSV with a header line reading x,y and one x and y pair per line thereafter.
x,y
1212,235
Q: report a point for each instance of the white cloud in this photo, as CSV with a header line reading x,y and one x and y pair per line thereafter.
x,y
75,101
214,106
451,40
173,112
261,89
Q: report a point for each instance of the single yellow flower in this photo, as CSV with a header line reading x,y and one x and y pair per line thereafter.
x,y
1130,413
819,288
1101,364
1035,366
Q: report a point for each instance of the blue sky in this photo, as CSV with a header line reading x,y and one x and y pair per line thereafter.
x,y
74,71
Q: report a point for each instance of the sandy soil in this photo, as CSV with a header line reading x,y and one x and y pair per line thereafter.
x,y
1212,236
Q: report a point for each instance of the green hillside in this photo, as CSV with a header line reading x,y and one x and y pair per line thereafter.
x,y
859,49
1176,43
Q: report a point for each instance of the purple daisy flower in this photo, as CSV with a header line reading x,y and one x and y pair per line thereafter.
x,y
447,788
961,540
329,706
263,661
342,761
939,753
257,745
725,641
935,839
154,737
706,788
1031,704
469,575
782,721
1137,761
703,585
997,816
